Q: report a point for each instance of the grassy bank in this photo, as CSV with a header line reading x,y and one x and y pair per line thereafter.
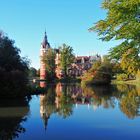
x,y
130,82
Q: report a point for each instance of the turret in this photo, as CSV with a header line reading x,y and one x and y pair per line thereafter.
x,y
44,47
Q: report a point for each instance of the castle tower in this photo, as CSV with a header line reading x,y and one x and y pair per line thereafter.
x,y
44,47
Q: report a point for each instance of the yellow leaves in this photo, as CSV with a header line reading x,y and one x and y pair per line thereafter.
x,y
130,61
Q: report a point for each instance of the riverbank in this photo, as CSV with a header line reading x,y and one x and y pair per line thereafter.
x,y
129,82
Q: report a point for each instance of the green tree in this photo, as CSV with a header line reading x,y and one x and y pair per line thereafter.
x,y
32,72
38,72
99,74
10,58
67,57
121,23
13,69
49,60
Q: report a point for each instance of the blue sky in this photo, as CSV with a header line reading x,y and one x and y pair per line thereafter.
x,y
66,21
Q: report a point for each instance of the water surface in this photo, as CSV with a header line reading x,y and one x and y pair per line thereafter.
x,y
69,112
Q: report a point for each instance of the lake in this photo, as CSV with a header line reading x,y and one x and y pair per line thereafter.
x,y
71,112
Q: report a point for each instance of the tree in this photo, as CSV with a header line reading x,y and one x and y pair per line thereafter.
x,y
32,72
121,23
96,65
130,62
13,69
10,58
67,57
99,74
49,60
38,72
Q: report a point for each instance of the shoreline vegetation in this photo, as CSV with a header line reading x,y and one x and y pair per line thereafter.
x,y
36,90
78,80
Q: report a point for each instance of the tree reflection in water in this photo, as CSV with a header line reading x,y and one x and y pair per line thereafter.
x,y
127,96
61,99
55,100
12,114
14,103
100,96
130,101
47,105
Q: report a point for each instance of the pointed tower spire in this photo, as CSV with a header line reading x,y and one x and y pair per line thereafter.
x,y
45,43
45,31
45,34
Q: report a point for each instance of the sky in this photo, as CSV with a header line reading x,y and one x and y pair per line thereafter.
x,y
65,21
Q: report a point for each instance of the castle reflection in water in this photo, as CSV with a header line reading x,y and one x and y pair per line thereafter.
x,y
62,98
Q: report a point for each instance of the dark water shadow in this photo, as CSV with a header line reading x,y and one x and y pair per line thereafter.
x,y
12,114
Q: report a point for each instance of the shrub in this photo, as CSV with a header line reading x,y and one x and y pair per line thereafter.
x,y
122,77
101,76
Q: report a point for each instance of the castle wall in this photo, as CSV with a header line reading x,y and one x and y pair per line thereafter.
x,y
43,73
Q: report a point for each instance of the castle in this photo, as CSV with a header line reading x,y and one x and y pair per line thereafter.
x,y
77,69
